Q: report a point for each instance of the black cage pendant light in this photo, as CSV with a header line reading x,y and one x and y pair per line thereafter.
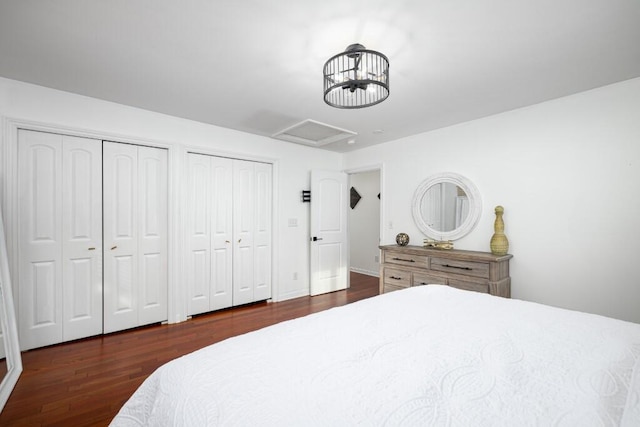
x,y
356,78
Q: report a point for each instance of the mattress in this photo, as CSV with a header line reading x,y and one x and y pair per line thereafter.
x,y
429,355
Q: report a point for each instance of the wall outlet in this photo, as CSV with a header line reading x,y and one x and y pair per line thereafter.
x,y
376,258
295,275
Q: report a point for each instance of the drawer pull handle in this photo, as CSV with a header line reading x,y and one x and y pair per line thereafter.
x,y
395,278
459,268
405,260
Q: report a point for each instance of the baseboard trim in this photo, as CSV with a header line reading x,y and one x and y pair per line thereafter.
x,y
367,272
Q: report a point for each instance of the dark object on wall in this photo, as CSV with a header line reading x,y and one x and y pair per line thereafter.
x,y
355,197
306,196
378,196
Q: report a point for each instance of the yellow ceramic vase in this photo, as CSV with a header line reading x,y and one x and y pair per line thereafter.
x,y
499,243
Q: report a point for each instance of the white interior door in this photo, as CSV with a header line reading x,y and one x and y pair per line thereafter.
x,y
82,237
135,235
199,233
221,219
262,232
252,204
60,238
120,172
209,270
229,232
40,252
243,231
152,237
329,261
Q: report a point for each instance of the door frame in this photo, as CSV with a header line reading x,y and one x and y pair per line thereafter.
x,y
9,152
380,167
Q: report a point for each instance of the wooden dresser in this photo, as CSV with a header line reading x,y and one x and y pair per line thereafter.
x,y
404,266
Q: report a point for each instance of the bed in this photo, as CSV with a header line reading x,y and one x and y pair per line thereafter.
x,y
428,355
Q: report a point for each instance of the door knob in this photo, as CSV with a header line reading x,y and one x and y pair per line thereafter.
x,y
92,249
315,239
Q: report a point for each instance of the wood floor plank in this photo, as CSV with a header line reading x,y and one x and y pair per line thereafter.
x,y
86,382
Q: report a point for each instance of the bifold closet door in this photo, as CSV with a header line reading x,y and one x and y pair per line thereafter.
x,y
135,235
252,195
229,232
209,231
60,238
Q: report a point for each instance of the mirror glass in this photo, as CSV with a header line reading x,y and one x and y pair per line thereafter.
x,y
10,361
446,206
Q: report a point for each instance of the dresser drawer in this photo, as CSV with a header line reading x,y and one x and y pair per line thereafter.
x,y
469,286
420,279
397,277
391,288
409,260
466,268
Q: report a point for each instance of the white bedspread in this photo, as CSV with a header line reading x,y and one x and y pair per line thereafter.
x,y
429,356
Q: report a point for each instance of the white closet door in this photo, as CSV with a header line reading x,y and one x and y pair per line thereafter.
x,y
120,175
152,243
210,233
82,237
199,233
135,235
262,240
243,231
40,275
252,198
59,283
221,233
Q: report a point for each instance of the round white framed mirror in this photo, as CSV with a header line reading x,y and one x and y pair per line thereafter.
x,y
446,206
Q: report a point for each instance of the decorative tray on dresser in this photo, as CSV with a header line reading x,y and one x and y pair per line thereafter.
x,y
405,266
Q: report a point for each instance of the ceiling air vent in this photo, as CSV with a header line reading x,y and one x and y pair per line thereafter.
x,y
315,134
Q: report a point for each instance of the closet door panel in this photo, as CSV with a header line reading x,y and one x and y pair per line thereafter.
x,y
40,239
152,246
244,218
221,279
243,275
199,233
120,236
82,237
263,192
221,288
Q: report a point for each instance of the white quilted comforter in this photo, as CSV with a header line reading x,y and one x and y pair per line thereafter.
x,y
429,356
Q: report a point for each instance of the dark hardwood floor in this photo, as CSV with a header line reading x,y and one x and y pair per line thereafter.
x,y
85,382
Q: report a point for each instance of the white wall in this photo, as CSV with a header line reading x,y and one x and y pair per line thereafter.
x,y
566,171
364,224
568,174
292,163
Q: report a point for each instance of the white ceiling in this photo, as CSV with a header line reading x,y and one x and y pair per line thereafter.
x,y
256,65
